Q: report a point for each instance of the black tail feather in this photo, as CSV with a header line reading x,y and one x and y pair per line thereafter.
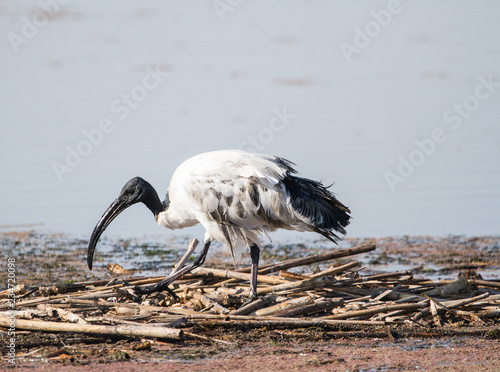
x,y
314,201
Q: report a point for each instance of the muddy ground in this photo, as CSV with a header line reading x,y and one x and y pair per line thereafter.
x,y
43,259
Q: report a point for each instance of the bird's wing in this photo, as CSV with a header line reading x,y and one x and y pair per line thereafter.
x,y
240,190
239,195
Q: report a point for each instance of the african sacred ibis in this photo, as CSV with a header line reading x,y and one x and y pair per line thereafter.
x,y
237,197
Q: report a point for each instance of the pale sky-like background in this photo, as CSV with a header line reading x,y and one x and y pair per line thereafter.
x,y
362,82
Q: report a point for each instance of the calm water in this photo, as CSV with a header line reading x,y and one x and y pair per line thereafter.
x,y
405,122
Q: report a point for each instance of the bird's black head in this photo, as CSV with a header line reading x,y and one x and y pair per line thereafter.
x,y
136,190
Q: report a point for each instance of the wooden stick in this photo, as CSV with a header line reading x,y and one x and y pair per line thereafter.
x,y
26,303
62,313
495,297
17,290
284,306
97,296
308,283
103,282
194,335
103,303
28,314
485,283
377,310
114,320
382,295
466,301
192,314
208,302
450,305
335,270
285,265
241,276
490,313
305,322
254,305
365,279
436,319
292,276
390,314
89,294
317,307
273,322
351,291
142,331
469,316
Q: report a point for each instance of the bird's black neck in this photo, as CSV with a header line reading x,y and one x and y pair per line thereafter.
x,y
152,201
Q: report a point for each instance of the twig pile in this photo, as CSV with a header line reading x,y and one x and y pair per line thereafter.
x,y
339,296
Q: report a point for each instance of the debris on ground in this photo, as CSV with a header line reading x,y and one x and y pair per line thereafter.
x,y
340,296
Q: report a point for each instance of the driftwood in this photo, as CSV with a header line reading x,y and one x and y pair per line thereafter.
x,y
377,310
208,302
284,306
227,274
272,322
490,314
16,290
335,270
466,301
292,276
285,265
302,285
254,305
62,313
338,297
142,331
317,307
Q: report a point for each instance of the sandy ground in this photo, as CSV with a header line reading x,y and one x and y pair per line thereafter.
x,y
43,259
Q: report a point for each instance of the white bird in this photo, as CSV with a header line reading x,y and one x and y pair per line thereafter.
x,y
237,197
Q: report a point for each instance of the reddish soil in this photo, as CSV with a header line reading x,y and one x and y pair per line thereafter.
x,y
278,350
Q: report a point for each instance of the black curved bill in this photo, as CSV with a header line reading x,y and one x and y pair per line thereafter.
x,y
118,206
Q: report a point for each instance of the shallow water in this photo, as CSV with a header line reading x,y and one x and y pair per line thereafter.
x,y
55,258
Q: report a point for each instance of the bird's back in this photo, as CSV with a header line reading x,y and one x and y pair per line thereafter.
x,y
238,196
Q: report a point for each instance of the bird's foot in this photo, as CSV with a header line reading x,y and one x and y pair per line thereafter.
x,y
251,298
248,302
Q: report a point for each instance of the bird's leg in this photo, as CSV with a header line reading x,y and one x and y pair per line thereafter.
x,y
160,286
254,254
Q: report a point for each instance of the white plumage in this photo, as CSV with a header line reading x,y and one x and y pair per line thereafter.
x,y
218,189
238,197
